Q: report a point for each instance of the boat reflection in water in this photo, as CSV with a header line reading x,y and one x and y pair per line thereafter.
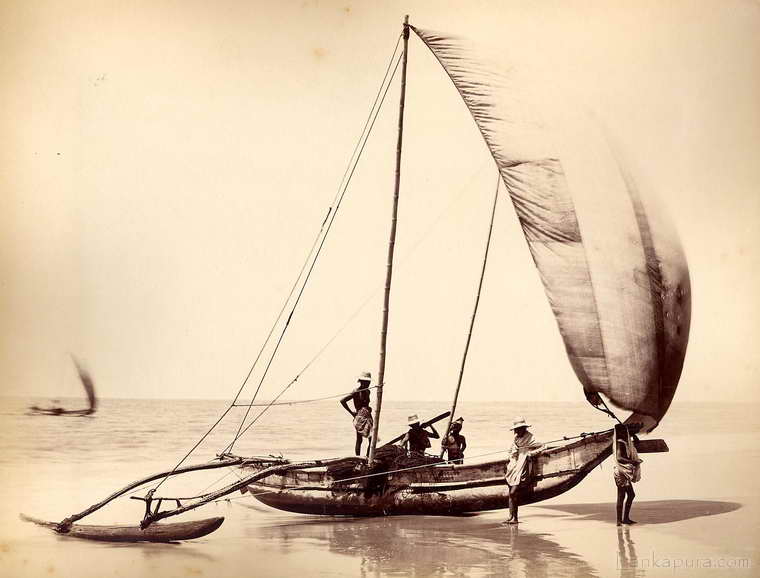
x,y
429,545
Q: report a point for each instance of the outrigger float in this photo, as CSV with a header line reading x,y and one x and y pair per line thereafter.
x,y
615,277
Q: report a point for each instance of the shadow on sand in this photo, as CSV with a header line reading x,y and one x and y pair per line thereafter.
x,y
650,512
431,545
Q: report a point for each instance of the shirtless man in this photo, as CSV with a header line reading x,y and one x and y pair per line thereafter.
x,y
455,443
361,413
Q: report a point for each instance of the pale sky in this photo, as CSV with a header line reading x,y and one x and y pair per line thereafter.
x,y
166,166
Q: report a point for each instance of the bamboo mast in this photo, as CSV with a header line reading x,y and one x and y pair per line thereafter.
x,y
391,247
472,320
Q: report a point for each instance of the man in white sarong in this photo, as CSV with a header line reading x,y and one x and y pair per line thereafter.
x,y
522,448
626,471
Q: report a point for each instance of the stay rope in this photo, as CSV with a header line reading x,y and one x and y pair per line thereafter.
x,y
363,139
299,401
353,161
472,319
374,293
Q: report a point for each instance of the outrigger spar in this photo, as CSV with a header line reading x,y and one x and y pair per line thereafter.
x,y
614,275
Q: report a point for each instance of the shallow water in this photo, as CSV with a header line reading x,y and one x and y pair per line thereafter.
x,y
53,466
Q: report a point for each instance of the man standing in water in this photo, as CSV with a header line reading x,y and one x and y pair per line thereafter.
x,y
626,472
362,413
522,448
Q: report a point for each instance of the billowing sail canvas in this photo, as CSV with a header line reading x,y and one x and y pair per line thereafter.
x,y
611,265
87,384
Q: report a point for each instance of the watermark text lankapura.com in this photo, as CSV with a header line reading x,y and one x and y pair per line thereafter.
x,y
677,563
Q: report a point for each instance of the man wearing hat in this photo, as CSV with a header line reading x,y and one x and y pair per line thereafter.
x,y
522,448
454,443
363,412
417,439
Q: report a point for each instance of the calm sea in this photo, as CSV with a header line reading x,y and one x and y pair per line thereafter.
x,y
161,431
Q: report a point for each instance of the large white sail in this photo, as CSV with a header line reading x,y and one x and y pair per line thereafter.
x,y
612,268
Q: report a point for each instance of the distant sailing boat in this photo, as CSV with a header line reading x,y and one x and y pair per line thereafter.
x,y
89,390
615,277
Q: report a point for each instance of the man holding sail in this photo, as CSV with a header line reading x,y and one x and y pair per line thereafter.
x,y
523,446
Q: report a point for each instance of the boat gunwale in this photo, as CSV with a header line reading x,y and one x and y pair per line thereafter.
x,y
547,451
356,485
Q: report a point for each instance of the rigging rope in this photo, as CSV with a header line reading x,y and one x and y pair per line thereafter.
x,y
472,320
365,137
242,430
300,401
329,211
372,295
354,159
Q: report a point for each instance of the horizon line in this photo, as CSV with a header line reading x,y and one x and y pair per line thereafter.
x,y
302,402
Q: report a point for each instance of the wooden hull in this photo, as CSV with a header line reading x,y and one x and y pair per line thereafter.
x,y
154,533
434,490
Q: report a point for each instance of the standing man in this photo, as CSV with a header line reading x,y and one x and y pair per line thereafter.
x,y
626,472
522,448
417,439
362,412
455,443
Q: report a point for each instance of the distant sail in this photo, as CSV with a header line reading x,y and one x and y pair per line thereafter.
x,y
612,268
87,384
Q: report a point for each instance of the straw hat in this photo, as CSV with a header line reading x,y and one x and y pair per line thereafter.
x,y
364,376
413,419
519,422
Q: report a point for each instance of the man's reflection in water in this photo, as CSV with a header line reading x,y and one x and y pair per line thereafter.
x,y
627,562
428,545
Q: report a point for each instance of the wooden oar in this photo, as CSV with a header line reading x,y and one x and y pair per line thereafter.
x,y
423,424
651,446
